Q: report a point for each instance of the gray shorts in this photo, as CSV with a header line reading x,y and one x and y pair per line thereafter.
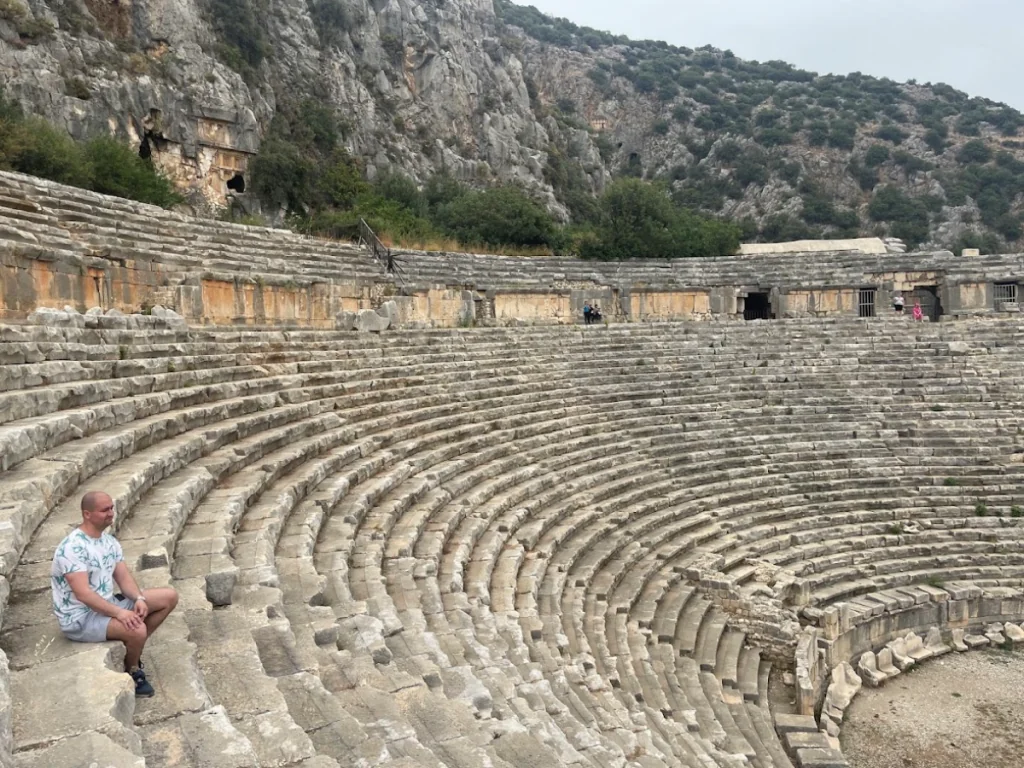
x,y
92,628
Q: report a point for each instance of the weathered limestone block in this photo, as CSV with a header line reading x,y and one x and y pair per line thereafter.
x,y
367,320
915,647
50,709
899,654
976,641
6,732
220,585
344,321
994,633
209,738
89,749
1013,633
785,723
57,318
934,644
867,667
844,686
958,640
389,309
885,665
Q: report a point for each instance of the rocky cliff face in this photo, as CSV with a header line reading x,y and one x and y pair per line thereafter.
x,y
494,92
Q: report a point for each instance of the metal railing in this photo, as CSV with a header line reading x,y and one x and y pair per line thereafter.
x,y
384,255
378,250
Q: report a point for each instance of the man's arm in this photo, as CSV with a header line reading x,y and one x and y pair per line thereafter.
x,y
126,581
130,589
79,583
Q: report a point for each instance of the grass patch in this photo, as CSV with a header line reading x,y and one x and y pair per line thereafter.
x,y
981,510
951,482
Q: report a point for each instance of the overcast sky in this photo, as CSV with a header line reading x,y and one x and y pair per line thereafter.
x,y
974,45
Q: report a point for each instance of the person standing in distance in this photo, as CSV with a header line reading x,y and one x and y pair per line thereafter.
x,y
86,566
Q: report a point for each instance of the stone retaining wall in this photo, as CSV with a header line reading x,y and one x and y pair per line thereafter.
x,y
844,636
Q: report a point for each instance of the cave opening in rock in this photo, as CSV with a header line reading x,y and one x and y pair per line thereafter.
x,y
145,151
237,183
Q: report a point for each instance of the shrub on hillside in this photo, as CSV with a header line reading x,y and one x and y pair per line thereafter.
x,y
244,42
911,163
638,220
783,228
35,147
115,169
103,164
876,155
975,151
499,216
891,133
282,174
907,216
935,140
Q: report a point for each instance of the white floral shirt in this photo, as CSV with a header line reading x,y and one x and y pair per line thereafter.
x,y
80,553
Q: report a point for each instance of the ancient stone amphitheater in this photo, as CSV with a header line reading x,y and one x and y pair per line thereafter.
x,y
642,544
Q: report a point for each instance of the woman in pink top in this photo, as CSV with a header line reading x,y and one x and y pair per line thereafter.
x,y
918,314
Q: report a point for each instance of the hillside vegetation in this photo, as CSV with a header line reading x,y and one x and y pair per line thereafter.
x,y
785,152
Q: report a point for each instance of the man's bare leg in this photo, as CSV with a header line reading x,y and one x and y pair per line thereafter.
x,y
161,602
134,640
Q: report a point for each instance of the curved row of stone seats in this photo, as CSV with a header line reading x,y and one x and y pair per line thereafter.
x,y
839,268
42,214
403,468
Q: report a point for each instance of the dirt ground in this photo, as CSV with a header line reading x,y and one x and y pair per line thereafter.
x,y
958,711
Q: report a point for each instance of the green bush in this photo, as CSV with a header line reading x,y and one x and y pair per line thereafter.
x,y
891,133
116,170
240,25
935,141
842,134
783,228
33,146
907,216
975,151
103,164
911,163
987,242
681,114
500,216
282,174
866,176
638,220
752,168
876,155
332,20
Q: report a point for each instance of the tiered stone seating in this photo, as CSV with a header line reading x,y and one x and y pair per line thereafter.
x,y
508,547
37,213
793,270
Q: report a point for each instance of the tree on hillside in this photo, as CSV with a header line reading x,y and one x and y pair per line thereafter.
x,y
638,220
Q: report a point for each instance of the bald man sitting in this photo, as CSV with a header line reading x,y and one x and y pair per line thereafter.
x,y
86,565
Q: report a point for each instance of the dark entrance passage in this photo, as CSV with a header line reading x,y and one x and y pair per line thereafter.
x,y
931,306
237,183
757,306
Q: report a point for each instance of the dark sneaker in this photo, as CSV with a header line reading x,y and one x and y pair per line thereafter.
x,y
142,687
